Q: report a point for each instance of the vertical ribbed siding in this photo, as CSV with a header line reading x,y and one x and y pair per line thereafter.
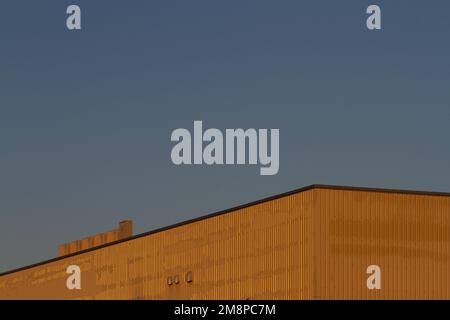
x,y
315,244
258,252
406,235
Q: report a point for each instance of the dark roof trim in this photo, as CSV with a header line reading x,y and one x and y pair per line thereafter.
x,y
314,186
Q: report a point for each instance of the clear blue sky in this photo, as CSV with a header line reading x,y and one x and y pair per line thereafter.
x,y
86,117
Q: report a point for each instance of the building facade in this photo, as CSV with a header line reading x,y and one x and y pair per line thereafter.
x,y
318,242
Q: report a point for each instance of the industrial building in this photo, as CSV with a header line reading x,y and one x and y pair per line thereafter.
x,y
318,242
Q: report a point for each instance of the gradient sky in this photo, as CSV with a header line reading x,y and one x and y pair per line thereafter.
x,y
86,116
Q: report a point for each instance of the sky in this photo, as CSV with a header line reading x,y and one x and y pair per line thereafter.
x,y
86,116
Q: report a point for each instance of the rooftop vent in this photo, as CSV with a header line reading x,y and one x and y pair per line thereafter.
x,y
124,231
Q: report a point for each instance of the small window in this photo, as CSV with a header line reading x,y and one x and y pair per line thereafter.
x,y
189,276
176,279
169,281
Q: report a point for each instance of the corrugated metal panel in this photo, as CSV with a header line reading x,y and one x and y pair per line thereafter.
x,y
256,252
315,244
406,235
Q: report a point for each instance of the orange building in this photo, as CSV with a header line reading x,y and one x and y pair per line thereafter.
x,y
318,242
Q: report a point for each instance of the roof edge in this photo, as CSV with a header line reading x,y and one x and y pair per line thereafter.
x,y
221,212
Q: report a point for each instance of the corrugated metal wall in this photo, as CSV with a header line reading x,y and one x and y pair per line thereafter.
x,y
258,252
315,244
406,235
